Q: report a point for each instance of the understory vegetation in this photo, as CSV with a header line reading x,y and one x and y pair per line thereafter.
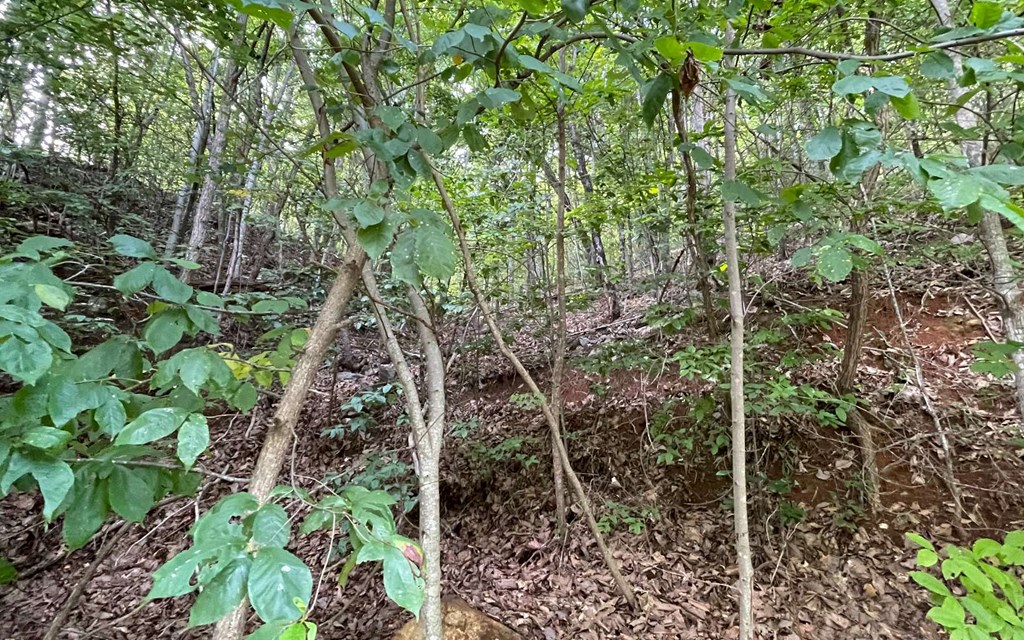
x,y
603,319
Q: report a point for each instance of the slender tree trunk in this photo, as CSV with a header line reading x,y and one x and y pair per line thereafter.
x,y
204,207
42,112
553,424
739,433
558,365
200,136
858,312
702,263
598,257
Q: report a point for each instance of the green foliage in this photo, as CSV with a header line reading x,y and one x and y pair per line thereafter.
x,y
361,408
987,596
635,520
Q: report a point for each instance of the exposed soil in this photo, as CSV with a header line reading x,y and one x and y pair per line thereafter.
x,y
825,567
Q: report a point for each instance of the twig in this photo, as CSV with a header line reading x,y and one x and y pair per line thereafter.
x,y
62,616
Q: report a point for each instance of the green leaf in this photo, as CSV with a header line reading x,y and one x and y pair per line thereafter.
x,y
25,361
956,191
222,594
245,397
165,330
575,10
300,631
429,141
825,145
654,97
270,527
931,583
670,48
738,191
218,526
193,439
36,245
174,578
368,214
920,541
277,578
704,52
435,252
67,400
534,7
493,98
403,258
54,478
130,495
750,91
950,615
1004,174
86,512
937,65
132,247
45,438
986,14
927,558
986,548
852,84
907,106
135,280
375,239
110,416
403,587
52,296
152,425
986,619
835,263
8,573
169,287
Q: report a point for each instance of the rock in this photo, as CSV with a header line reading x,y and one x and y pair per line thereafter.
x,y
462,622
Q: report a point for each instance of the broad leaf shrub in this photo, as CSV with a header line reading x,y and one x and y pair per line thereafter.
x,y
114,422
979,595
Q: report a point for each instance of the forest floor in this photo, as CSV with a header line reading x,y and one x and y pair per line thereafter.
x,y
825,566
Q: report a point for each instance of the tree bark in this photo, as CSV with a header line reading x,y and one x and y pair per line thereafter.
x,y
204,207
736,312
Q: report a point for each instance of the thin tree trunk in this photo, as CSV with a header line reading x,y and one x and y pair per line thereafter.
x,y
199,139
485,310
558,366
858,313
739,433
697,240
204,207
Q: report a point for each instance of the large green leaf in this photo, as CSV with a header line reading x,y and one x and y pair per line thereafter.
x,y
36,245
152,425
825,145
403,258
986,13
276,580
54,478
193,438
654,97
25,361
132,247
835,263
223,593
52,296
165,329
375,239
130,493
174,578
435,252
270,526
169,287
575,10
86,512
45,438
403,586
136,279
956,191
